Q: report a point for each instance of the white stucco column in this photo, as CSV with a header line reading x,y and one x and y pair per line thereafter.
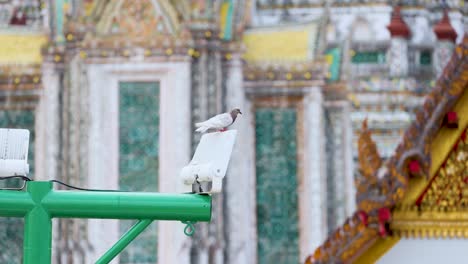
x,y
174,145
350,188
398,56
46,125
340,160
240,179
398,51
446,36
174,149
312,192
103,153
442,53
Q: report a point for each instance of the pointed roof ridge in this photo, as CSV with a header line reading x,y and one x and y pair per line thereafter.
x,y
369,222
444,30
397,26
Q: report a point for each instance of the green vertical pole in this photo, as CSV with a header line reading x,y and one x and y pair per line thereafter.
x,y
128,237
37,245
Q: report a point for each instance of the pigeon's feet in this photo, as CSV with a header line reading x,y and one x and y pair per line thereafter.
x,y
222,129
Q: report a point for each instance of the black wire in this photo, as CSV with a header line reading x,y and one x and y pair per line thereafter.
x,y
24,178
82,189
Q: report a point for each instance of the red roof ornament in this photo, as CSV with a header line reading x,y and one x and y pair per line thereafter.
x,y
383,230
414,168
397,26
384,214
451,119
444,30
363,217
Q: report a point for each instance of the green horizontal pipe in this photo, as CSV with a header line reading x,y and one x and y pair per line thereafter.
x,y
15,203
128,237
128,205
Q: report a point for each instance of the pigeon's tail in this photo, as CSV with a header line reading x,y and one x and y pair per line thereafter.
x,y
202,129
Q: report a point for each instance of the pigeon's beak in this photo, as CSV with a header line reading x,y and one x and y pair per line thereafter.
x,y
240,112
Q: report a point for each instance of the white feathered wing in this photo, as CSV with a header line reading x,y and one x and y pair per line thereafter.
x,y
216,122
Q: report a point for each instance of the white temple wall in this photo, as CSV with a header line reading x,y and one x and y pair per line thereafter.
x,y
427,251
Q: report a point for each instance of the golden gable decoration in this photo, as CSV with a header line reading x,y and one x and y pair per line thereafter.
x,y
409,194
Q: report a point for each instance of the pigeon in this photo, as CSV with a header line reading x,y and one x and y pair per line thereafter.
x,y
219,122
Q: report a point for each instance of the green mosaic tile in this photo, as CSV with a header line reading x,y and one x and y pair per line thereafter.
x,y
11,229
369,57
276,165
425,57
138,159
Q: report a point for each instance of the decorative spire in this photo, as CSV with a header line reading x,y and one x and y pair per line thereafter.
x,y
369,158
397,26
444,30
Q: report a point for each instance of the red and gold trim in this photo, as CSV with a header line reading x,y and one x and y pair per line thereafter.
x,y
389,201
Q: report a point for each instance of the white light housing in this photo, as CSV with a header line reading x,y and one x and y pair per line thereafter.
x,y
210,162
14,145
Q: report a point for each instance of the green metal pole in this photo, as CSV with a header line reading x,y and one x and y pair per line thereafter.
x,y
128,205
128,237
40,203
37,245
15,203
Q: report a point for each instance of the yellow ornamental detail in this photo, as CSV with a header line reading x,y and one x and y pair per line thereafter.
x,y
21,49
280,44
190,52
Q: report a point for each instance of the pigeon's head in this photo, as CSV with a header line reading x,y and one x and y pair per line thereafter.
x,y
235,112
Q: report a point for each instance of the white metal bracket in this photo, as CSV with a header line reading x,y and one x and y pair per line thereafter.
x,y
209,163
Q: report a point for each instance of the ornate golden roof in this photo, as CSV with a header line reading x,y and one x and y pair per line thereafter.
x,y
400,202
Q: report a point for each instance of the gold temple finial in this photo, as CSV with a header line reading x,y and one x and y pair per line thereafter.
x,y
369,158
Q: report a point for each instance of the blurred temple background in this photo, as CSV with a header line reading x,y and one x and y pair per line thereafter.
x,y
110,90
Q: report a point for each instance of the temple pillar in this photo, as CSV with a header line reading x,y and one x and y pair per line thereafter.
x,y
240,180
445,44
47,125
398,52
312,192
